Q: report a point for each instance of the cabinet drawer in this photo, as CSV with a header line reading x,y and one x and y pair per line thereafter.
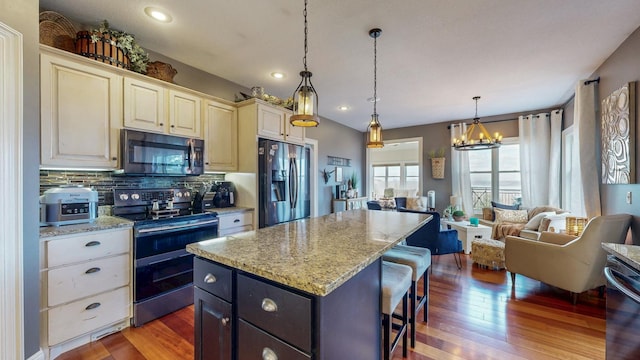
x,y
79,317
234,230
236,220
278,311
73,282
87,246
212,277
257,344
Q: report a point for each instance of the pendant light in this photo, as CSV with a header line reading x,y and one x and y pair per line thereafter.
x,y
305,98
469,140
374,130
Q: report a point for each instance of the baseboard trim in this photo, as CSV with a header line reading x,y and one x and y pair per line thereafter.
x,y
37,356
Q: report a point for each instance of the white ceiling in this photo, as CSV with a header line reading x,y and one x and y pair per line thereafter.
x,y
433,55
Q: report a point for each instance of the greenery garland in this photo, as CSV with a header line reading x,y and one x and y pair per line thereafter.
x,y
138,57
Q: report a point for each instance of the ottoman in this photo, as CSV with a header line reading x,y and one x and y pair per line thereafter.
x,y
488,252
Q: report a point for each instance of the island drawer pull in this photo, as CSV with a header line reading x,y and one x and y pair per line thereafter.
x,y
268,354
269,305
210,278
92,243
92,270
225,321
93,306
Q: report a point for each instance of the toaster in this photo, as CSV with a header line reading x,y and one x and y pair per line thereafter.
x,y
71,204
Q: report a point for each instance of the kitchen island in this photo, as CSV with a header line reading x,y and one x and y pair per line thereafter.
x,y
308,289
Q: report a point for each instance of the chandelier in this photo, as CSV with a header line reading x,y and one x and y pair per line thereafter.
x,y
305,98
374,130
469,140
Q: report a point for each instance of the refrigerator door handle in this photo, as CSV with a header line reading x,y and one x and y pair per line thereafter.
x,y
291,183
295,183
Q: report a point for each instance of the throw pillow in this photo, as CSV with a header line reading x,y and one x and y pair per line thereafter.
x,y
512,216
554,223
417,203
534,222
497,205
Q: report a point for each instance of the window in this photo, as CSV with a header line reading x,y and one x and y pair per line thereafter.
x,y
397,176
398,166
495,175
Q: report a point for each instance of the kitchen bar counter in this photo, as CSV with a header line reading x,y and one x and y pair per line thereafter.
x,y
314,255
103,222
630,254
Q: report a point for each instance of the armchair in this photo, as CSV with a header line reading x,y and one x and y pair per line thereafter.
x,y
570,263
430,236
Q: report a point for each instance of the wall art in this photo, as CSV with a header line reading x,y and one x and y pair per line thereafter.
x,y
618,136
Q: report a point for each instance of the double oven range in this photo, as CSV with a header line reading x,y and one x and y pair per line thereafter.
x,y
163,226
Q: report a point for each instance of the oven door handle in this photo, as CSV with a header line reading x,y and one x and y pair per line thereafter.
x,y
174,227
611,277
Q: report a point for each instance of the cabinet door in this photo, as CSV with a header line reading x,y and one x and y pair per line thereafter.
x,y
220,137
271,122
144,106
213,327
184,114
80,114
295,134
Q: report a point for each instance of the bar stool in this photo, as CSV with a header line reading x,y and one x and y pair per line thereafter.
x,y
419,259
396,281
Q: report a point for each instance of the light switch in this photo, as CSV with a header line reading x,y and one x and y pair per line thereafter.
x,y
628,197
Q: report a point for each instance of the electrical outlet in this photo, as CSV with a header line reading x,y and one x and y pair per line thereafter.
x,y
628,197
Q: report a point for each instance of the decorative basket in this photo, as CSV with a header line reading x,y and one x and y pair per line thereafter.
x,y
57,31
162,71
437,168
103,50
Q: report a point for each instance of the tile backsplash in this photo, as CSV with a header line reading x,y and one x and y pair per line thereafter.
x,y
105,182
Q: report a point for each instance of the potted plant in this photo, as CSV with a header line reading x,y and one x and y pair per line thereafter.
x,y
437,163
458,215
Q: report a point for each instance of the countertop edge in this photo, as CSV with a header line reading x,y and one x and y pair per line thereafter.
x,y
104,222
629,254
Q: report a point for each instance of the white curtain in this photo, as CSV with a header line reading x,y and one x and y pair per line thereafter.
x,y
585,147
460,177
535,135
555,159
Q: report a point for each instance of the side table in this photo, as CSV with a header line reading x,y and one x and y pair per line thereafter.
x,y
467,233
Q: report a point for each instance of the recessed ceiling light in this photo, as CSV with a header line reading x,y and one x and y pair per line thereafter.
x,y
343,108
158,14
277,75
372,100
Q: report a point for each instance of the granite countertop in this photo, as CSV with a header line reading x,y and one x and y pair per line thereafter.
x,y
630,254
315,255
103,222
229,210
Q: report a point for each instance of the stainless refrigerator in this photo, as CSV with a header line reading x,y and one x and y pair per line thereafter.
x,y
284,182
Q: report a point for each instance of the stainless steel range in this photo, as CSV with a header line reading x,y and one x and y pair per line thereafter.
x,y
164,225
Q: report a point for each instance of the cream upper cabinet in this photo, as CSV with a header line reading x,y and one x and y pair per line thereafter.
x,y
150,106
273,123
80,114
220,137
185,111
144,105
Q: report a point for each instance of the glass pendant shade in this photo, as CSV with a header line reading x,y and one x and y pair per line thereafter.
x,y
374,133
305,103
476,137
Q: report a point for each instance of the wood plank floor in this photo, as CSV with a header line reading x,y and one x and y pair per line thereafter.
x,y
473,314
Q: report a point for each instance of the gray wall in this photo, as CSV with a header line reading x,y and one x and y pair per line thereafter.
x,y
23,16
620,68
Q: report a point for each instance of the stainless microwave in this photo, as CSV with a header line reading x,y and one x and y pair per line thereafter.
x,y
146,153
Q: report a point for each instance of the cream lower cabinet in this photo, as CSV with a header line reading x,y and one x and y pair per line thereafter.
x,y
235,222
220,137
80,114
150,106
86,288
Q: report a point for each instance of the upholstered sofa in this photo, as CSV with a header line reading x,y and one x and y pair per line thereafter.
x,y
525,223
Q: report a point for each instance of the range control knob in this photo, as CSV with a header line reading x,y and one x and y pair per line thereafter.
x,y
178,194
124,197
187,194
135,196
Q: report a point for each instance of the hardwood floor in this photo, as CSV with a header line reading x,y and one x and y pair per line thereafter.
x,y
473,314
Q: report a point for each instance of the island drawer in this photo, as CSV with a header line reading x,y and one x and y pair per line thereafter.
x,y
212,277
280,312
257,344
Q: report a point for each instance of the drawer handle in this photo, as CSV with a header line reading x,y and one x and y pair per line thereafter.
x,y
236,220
268,354
210,278
92,243
225,321
92,270
269,305
92,306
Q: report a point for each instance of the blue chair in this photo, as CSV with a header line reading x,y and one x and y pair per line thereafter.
x,y
401,202
430,236
373,205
